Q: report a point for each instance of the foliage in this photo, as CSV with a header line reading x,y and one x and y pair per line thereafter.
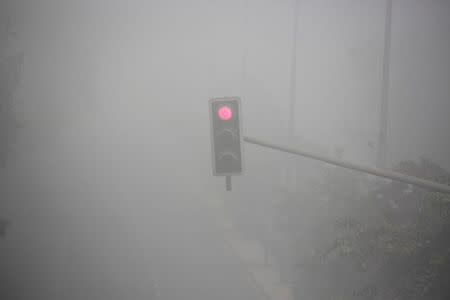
x,y
389,244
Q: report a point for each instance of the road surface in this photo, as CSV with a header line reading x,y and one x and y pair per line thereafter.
x,y
117,242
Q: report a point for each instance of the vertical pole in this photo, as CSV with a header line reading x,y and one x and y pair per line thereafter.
x,y
245,45
290,167
293,82
228,183
384,106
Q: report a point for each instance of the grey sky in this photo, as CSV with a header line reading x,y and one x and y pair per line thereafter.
x,y
170,56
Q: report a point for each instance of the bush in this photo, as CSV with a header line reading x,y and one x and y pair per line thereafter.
x,y
391,243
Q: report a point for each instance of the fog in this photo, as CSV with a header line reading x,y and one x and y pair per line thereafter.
x,y
108,190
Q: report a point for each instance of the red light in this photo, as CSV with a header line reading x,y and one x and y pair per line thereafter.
x,y
225,113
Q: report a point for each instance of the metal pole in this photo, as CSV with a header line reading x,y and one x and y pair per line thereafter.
x,y
290,167
384,106
245,43
293,90
426,184
228,183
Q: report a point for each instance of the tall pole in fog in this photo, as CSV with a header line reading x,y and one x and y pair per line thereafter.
x,y
245,45
293,74
384,106
290,168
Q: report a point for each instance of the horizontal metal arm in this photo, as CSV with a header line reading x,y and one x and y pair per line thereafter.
x,y
426,184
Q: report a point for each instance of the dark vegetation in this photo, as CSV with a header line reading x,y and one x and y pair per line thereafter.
x,y
351,238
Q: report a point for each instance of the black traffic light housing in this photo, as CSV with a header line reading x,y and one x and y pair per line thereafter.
x,y
226,136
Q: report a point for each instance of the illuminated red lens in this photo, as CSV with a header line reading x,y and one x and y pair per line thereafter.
x,y
225,113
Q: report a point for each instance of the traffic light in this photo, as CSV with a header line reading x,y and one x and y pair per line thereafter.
x,y
226,136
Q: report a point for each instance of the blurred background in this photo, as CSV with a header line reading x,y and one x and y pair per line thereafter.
x,y
106,184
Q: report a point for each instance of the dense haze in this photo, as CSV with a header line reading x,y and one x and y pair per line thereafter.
x,y
108,188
